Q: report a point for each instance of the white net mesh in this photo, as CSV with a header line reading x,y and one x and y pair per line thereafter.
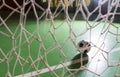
x,y
40,37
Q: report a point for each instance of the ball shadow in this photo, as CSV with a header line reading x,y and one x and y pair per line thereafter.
x,y
76,61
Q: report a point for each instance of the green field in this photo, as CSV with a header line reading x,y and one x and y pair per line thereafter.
x,y
36,45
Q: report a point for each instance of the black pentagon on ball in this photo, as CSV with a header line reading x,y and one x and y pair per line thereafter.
x,y
81,44
89,45
86,51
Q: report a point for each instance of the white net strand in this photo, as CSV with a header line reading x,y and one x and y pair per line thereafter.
x,y
42,36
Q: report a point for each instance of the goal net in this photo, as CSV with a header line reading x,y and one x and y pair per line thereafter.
x,y
39,38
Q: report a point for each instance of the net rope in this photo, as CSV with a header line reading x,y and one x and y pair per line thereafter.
x,y
31,48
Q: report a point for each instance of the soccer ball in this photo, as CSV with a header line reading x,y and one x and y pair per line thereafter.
x,y
83,47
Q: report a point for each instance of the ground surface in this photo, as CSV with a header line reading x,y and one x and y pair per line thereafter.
x,y
36,46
